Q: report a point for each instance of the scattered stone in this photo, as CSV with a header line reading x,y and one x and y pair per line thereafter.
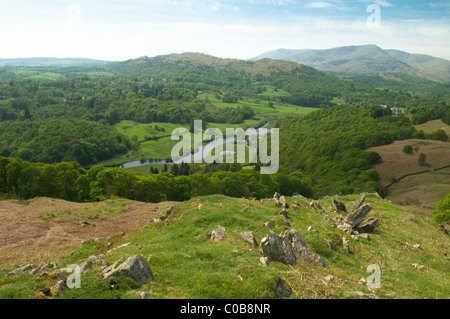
x,y
249,236
218,233
339,207
52,265
330,244
362,281
267,225
282,289
289,248
417,247
135,267
24,270
355,237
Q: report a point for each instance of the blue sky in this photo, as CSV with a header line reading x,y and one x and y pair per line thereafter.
x,y
125,29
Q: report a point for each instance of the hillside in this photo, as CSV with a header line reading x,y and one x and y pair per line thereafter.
x,y
366,59
51,62
408,247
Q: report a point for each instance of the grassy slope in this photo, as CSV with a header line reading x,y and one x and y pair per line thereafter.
x,y
188,265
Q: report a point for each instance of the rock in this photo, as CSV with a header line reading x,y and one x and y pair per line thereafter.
x,y
135,267
289,248
52,265
24,270
86,265
59,288
218,233
330,244
282,289
417,247
312,229
357,204
264,260
339,207
367,296
249,236
368,225
164,215
315,204
365,236
329,279
355,237
283,202
362,281
118,247
355,218
144,294
345,245
276,198
267,225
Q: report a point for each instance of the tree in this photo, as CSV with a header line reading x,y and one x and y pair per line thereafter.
x,y
408,149
422,158
442,212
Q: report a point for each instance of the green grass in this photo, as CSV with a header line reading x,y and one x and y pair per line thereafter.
x,y
188,265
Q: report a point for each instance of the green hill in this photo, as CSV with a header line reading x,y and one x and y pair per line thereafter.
x,y
409,248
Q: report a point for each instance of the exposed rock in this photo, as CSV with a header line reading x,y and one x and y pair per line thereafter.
x,y
289,248
357,204
417,247
264,260
315,204
356,217
218,233
267,225
135,267
24,270
368,225
345,245
118,247
276,198
52,265
282,289
144,294
339,207
57,289
249,236
330,244
283,202
164,215
365,236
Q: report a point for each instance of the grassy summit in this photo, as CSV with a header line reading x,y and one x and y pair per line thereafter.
x,y
187,264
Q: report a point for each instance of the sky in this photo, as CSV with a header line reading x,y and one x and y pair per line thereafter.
x,y
118,30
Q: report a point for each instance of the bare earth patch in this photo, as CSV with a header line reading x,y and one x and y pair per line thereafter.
x,y
38,229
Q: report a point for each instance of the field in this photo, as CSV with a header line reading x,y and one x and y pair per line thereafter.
x,y
433,126
423,189
187,264
161,145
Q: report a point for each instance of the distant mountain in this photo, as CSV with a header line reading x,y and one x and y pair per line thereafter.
x,y
45,62
366,59
438,68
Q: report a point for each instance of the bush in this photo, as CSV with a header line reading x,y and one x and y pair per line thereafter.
x,y
442,212
408,149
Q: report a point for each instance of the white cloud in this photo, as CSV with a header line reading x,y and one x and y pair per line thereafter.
x,y
319,5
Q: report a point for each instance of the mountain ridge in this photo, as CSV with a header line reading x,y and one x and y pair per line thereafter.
x,y
369,59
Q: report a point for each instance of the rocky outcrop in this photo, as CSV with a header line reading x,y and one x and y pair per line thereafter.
x,y
249,237
24,270
135,267
339,207
289,248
